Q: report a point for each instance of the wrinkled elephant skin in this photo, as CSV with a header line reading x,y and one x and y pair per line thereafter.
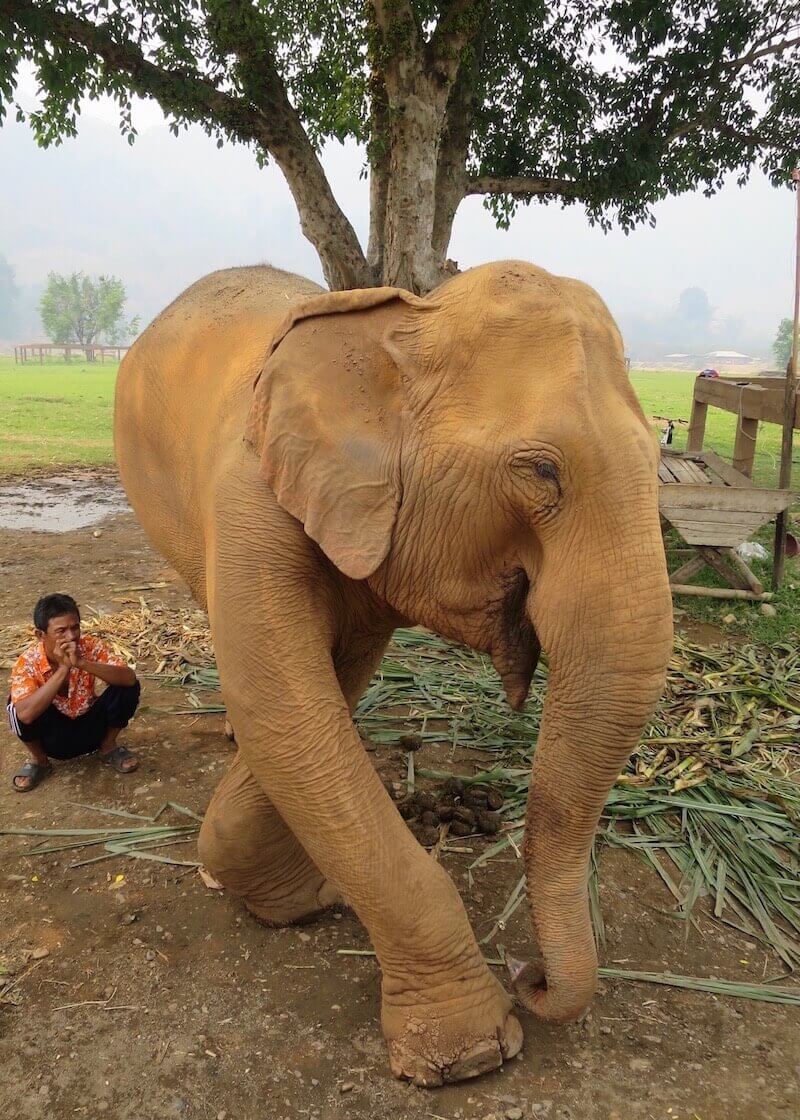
x,y
323,467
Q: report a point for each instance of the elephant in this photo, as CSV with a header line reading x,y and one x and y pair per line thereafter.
x,y
322,467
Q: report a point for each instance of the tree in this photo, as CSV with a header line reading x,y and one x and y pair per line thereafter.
x,y
690,323
9,296
611,105
782,346
85,310
694,308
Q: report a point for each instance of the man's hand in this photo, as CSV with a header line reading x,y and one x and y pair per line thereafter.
x,y
111,674
65,654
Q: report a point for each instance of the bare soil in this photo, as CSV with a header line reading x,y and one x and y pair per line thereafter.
x,y
160,998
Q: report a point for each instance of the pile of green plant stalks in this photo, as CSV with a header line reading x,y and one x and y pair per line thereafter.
x,y
710,799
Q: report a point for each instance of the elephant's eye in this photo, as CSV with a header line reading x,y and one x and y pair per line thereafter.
x,y
547,470
538,466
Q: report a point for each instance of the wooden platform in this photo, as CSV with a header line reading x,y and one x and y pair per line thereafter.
x,y
714,508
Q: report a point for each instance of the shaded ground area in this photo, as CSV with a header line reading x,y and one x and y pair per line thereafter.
x,y
159,997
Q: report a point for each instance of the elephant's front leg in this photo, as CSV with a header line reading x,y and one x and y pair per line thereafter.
x,y
245,844
444,1015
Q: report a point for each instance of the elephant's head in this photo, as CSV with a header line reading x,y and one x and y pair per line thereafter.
x,y
479,457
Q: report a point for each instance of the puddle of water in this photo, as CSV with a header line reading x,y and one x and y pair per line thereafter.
x,y
59,504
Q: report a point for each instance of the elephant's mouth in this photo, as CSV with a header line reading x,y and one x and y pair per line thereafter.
x,y
515,648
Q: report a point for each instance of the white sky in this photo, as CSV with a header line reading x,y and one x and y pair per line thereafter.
x,y
165,211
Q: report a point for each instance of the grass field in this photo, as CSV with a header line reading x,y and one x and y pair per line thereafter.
x,y
55,414
60,415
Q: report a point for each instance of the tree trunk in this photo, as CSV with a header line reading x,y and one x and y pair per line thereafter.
x,y
417,88
409,258
451,167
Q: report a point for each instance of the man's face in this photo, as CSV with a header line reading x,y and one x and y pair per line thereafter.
x,y
60,630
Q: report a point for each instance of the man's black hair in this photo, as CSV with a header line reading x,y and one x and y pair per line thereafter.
x,y
51,606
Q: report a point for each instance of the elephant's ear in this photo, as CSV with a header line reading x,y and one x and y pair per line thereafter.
x,y
326,419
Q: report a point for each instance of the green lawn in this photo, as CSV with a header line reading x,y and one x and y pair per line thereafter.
x,y
58,415
54,415
667,393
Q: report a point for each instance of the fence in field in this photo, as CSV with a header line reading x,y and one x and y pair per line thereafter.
x,y
28,351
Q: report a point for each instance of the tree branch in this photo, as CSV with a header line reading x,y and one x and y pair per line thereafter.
x,y
242,34
451,168
146,79
458,26
523,186
399,28
763,52
268,119
378,148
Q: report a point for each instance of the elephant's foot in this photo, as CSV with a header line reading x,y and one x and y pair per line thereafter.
x,y
431,1043
300,906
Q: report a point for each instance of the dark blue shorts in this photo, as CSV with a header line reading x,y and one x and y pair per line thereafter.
x,y
62,737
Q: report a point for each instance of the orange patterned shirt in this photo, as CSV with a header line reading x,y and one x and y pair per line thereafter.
x,y
32,670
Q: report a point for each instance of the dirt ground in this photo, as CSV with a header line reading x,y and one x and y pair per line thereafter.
x,y
159,997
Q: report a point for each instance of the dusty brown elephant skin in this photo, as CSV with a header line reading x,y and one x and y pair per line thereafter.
x,y
323,467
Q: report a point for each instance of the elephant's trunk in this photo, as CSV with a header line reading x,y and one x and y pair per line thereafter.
x,y
608,637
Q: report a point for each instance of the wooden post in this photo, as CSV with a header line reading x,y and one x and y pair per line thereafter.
x,y
697,427
752,581
744,449
789,406
720,592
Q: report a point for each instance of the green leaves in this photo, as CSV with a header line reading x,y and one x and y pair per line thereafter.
x,y
85,309
624,103
668,106
782,346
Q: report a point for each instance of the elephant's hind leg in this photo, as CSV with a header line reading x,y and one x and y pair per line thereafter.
x,y
245,844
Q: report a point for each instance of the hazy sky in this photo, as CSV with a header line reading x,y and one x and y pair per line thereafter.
x,y
167,210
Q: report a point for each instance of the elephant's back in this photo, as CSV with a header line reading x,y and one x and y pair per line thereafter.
x,y
200,342
183,390
221,298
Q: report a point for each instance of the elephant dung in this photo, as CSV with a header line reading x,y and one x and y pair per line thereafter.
x,y
487,822
410,742
425,834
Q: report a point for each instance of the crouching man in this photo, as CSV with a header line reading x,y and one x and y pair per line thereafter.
x,y
53,708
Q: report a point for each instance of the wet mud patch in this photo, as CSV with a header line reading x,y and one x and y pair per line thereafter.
x,y
61,503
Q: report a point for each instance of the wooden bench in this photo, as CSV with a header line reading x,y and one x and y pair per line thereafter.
x,y
714,508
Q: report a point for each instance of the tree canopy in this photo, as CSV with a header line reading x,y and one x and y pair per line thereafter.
x,y
84,309
606,104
